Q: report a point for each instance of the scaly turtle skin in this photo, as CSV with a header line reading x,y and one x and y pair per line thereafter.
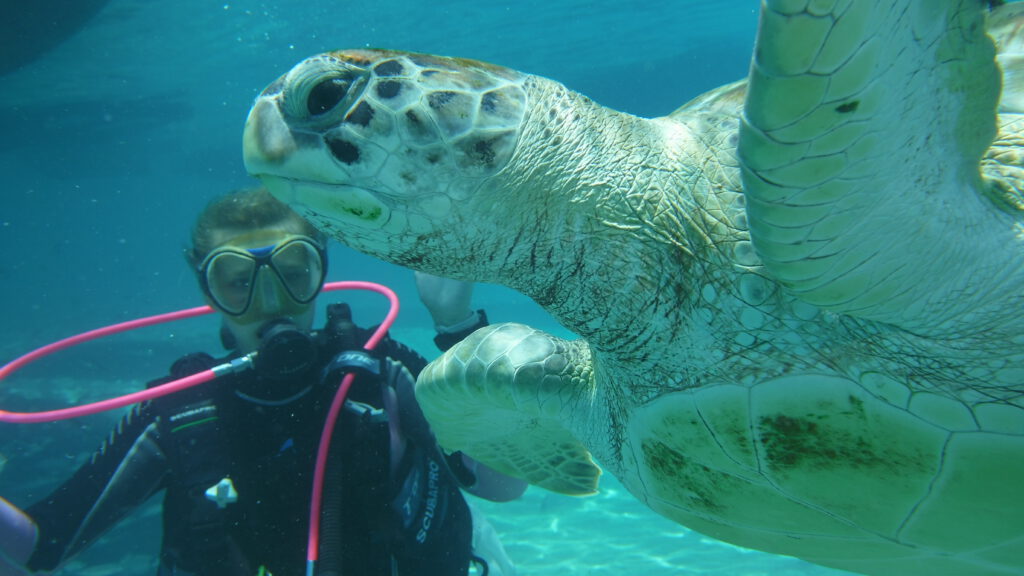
x,y
799,298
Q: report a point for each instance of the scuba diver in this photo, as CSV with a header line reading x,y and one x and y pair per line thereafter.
x,y
235,456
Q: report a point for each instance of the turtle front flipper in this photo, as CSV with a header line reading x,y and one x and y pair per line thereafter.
x,y
860,146
1006,26
502,395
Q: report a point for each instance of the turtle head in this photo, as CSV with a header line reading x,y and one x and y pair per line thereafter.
x,y
380,148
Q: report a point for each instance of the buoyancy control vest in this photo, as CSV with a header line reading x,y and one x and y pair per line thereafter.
x,y
239,486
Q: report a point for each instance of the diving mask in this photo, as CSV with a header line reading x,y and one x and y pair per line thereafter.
x,y
228,274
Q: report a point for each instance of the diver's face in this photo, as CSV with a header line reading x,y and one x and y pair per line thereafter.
x,y
260,277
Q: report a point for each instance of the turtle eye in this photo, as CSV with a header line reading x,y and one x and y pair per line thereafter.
x,y
326,95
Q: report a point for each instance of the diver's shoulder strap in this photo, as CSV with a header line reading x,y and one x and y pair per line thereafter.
x,y
341,333
189,420
167,406
197,443
433,526
414,423
185,366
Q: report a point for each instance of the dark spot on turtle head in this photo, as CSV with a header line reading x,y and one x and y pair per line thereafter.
x,y
483,152
437,100
433,158
419,127
361,115
733,140
326,95
389,89
429,73
389,68
848,107
489,102
343,150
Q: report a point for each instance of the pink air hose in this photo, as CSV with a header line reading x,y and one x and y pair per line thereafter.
x,y
111,403
313,547
237,365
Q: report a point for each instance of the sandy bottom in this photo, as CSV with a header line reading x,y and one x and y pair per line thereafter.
x,y
614,534
545,534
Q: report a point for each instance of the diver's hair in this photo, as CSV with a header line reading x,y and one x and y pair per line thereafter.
x,y
244,210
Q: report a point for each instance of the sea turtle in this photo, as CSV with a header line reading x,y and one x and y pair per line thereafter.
x,y
798,297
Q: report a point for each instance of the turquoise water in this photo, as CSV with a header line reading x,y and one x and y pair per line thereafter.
x,y
116,137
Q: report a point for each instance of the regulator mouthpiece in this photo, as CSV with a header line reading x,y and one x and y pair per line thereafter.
x,y
285,351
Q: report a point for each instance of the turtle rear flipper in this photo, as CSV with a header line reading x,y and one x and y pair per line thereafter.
x,y
502,396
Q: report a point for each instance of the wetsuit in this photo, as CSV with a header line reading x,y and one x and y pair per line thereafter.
x,y
407,518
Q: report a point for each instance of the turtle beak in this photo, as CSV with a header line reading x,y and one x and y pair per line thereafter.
x,y
272,147
267,140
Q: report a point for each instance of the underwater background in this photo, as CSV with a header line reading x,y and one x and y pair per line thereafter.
x,y
120,119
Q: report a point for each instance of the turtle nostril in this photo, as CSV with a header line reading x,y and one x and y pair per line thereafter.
x,y
326,95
